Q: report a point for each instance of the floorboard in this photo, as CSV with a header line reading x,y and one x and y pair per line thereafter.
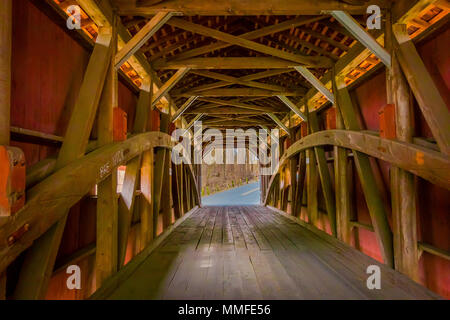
x,y
252,252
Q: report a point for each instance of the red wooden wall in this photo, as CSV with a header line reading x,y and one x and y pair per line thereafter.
x,y
433,202
48,67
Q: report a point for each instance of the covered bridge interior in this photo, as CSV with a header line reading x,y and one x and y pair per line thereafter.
x,y
91,91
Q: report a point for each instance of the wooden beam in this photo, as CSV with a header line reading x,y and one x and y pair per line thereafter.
x,y
5,69
342,183
403,186
229,7
169,84
141,37
133,170
362,35
226,63
238,92
278,122
107,215
183,108
366,175
160,159
324,174
292,106
316,83
431,103
63,189
40,259
235,103
314,61
229,80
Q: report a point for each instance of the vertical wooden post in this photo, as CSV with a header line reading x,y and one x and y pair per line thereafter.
x,y
403,188
5,89
160,160
106,255
166,198
324,174
5,69
366,175
342,187
146,180
311,181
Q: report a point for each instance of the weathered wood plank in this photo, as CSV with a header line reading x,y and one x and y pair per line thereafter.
x,y
403,187
266,7
37,269
431,103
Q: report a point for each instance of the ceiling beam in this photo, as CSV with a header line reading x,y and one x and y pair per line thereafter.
x,y
279,123
313,61
132,46
362,36
235,103
293,107
169,84
183,108
238,92
226,63
252,35
316,83
229,80
233,7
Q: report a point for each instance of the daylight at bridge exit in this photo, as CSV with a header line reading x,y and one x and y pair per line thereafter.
x,y
215,153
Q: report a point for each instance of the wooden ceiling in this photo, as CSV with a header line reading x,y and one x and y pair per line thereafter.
x,y
240,59
239,92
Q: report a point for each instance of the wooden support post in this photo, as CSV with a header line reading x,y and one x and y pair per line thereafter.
x,y
324,175
366,175
403,187
431,103
342,186
311,180
160,156
132,173
106,254
146,178
166,192
176,192
5,89
5,69
40,258
301,160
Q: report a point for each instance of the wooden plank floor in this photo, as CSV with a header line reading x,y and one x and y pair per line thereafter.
x,y
255,253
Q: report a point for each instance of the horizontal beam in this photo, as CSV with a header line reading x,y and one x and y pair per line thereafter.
x,y
233,7
226,63
235,103
238,92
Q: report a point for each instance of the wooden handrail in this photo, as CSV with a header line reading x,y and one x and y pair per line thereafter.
x,y
66,187
426,163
